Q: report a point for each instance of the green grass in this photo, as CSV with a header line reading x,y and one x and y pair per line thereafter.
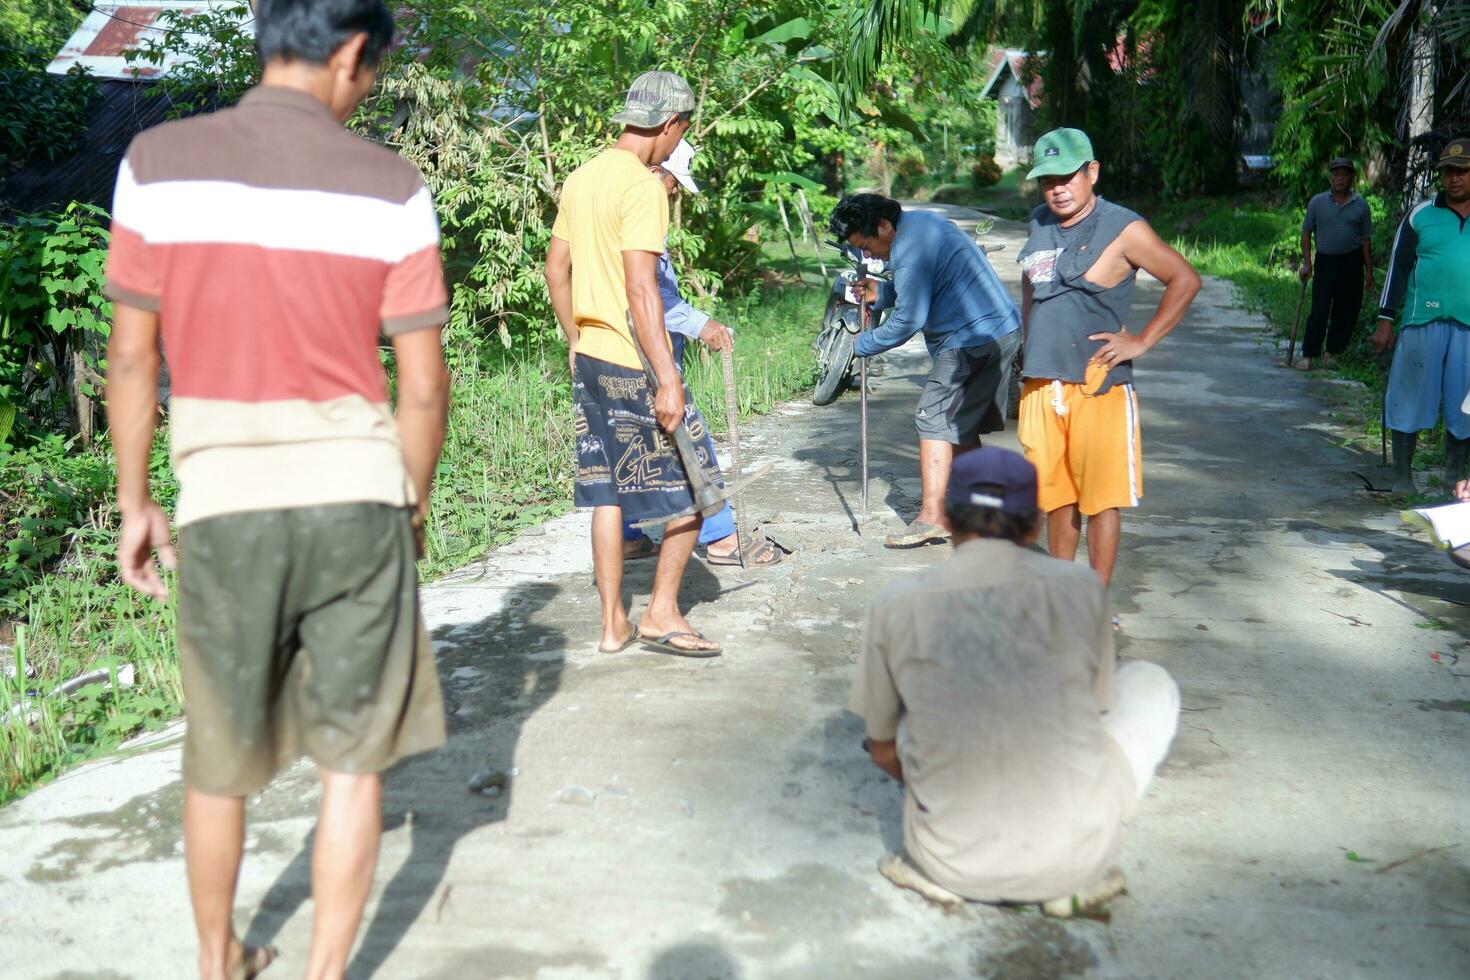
x,y
507,465
1253,241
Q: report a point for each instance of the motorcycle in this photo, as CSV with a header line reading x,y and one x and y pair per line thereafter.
x,y
842,322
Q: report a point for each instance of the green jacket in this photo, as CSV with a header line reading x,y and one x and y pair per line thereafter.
x,y
1430,267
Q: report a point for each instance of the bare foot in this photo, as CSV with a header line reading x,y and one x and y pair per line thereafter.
x,y
1303,364
617,636
639,548
726,547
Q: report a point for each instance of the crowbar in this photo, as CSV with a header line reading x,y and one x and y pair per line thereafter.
x,y
708,498
863,395
732,421
1296,322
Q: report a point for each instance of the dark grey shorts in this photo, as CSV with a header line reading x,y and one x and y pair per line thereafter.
x,y
965,396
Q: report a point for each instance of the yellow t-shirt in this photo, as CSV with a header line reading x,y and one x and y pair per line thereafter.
x,y
609,205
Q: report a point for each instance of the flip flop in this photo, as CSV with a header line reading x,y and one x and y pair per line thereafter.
x,y
758,554
633,637
254,962
916,534
665,644
1113,884
646,549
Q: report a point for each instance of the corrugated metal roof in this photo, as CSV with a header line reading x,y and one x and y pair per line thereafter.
x,y
116,26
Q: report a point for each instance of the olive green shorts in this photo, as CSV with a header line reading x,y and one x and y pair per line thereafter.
x,y
300,634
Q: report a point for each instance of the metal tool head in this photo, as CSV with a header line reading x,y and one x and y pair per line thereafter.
x,y
709,506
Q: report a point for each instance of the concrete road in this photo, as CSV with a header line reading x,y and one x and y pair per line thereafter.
x,y
676,820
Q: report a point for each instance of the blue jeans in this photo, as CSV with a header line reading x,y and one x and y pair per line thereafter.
x,y
1430,376
720,525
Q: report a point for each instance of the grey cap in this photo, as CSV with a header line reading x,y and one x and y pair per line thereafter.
x,y
653,97
1341,163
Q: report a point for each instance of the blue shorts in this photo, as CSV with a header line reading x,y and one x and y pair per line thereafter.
x,y
1430,375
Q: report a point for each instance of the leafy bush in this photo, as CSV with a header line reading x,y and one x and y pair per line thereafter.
x,y
985,173
51,500
41,115
53,316
908,168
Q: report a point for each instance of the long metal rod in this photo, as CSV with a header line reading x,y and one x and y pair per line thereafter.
x,y
1296,322
863,398
732,421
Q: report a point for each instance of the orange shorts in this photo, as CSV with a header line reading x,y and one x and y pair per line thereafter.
x,y
1086,448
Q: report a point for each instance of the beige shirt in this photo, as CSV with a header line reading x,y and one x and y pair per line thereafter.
x,y
992,670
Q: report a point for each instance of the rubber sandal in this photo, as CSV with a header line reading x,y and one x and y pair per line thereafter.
x,y
633,637
758,554
665,644
916,534
255,961
1111,885
646,549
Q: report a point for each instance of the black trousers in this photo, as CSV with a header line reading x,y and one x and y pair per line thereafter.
x,y
1337,299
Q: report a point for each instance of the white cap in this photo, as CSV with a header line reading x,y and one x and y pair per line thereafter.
x,y
679,163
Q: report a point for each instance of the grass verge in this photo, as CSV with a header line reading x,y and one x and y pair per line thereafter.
x,y
507,465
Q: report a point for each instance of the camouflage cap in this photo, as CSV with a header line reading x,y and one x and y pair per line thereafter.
x,y
653,97
1456,154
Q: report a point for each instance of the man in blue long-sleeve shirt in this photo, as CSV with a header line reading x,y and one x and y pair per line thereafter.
x,y
944,286
684,323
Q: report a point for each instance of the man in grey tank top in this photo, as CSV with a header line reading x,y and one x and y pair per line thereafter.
x,y
1079,414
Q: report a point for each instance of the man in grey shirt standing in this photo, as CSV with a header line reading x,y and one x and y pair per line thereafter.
x,y
988,687
1343,227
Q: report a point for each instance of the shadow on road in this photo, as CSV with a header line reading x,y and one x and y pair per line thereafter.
x,y
428,793
704,958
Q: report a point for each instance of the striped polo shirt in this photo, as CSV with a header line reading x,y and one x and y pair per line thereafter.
x,y
276,248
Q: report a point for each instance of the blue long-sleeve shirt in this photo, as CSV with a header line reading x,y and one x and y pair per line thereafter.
x,y
942,285
679,316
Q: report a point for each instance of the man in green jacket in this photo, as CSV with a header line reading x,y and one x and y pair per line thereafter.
x,y
1426,290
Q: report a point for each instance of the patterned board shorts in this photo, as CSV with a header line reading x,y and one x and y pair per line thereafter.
x,y
624,458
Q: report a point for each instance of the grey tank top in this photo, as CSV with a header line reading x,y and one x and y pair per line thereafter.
x,y
1065,307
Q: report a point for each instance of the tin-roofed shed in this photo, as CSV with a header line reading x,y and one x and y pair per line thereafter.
x,y
128,102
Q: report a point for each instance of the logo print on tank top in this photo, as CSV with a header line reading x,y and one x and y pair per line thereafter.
x,y
1041,265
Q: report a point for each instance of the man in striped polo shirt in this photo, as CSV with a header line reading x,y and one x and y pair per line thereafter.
x,y
1426,290
269,248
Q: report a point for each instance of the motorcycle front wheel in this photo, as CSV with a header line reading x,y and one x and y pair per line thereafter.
x,y
834,357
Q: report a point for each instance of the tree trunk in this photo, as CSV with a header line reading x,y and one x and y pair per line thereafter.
x,y
81,401
1421,104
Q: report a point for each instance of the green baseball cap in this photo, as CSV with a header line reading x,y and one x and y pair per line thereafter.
x,y
653,97
1060,152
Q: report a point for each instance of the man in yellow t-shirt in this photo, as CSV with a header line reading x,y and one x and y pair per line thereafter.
x,y
602,264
